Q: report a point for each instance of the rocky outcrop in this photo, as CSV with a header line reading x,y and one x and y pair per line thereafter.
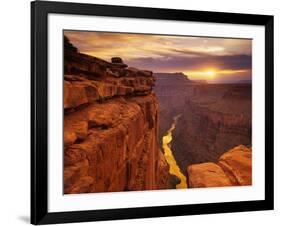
x,y
110,127
237,164
233,168
207,175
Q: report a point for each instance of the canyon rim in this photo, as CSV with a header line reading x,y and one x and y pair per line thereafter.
x,y
151,112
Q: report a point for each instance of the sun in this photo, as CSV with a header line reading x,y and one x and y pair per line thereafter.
x,y
210,73
207,74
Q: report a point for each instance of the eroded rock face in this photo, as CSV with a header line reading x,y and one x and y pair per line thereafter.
x,y
110,127
233,168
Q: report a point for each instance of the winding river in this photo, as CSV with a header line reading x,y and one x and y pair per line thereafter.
x,y
174,168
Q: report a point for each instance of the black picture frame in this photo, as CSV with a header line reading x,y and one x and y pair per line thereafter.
x,y
39,112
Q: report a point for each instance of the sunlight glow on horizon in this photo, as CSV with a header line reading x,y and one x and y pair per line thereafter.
x,y
212,74
200,58
205,74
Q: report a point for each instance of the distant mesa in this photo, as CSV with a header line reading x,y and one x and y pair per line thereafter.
x,y
200,81
176,77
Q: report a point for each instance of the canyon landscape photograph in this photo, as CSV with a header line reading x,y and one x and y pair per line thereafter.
x,y
153,112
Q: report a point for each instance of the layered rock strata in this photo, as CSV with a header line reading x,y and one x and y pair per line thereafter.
x,y
110,127
233,168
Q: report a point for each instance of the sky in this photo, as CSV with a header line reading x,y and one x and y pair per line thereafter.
x,y
200,58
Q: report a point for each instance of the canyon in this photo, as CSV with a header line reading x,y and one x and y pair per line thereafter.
x,y
214,118
171,90
128,129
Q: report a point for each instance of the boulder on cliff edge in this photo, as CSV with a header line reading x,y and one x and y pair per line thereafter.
x,y
207,175
238,163
117,61
233,168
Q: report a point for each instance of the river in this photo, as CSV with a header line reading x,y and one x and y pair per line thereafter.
x,y
174,168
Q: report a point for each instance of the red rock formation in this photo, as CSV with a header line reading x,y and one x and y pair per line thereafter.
x,y
237,164
110,127
233,168
207,175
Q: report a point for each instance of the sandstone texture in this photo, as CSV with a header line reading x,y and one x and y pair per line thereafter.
x,y
207,175
233,168
110,127
237,163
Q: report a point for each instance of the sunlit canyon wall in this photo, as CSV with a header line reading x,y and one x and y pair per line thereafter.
x,y
111,118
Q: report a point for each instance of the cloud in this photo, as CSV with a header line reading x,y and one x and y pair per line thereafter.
x,y
131,46
184,63
164,53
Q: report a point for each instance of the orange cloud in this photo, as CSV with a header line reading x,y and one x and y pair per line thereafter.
x,y
166,53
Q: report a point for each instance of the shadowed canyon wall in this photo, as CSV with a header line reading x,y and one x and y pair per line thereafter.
x,y
214,118
110,127
171,90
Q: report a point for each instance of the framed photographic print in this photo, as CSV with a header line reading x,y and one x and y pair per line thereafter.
x,y
145,112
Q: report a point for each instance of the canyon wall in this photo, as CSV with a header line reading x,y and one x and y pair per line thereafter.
x,y
215,119
171,90
111,120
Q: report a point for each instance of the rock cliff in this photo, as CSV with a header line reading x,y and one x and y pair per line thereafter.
x,y
233,168
110,127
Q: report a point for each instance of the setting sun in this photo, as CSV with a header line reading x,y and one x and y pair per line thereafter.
x,y
210,73
204,74
200,58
